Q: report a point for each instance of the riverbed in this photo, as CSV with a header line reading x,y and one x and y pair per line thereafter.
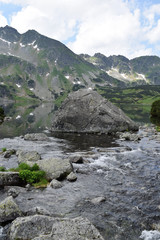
x,y
125,173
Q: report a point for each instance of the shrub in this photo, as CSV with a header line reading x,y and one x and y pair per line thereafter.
x,y
31,176
155,109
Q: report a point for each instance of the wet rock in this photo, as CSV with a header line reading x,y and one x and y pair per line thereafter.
x,y
87,111
98,200
9,153
9,210
130,136
10,179
26,157
74,229
36,137
77,159
55,168
55,184
37,211
13,192
30,227
72,177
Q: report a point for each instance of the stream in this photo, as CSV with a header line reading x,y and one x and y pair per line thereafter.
x,y
125,173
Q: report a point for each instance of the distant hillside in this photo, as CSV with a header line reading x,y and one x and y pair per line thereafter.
x,y
138,71
35,66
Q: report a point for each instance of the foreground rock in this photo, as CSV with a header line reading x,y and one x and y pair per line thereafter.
x,y
30,227
43,227
9,210
55,168
86,111
10,179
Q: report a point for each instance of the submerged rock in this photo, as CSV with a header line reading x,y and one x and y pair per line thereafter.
x,y
9,210
86,111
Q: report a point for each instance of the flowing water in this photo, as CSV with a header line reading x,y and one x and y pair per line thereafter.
x,y
126,174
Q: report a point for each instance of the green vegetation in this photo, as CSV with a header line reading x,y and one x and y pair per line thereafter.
x,y
60,99
32,175
4,149
155,109
145,95
2,115
2,169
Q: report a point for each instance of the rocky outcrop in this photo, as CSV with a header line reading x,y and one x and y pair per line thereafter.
x,y
43,227
86,111
55,168
9,210
9,179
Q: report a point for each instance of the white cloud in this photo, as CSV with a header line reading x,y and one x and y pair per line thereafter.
x,y
3,21
106,26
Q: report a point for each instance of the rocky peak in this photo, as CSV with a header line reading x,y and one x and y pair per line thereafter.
x,y
9,34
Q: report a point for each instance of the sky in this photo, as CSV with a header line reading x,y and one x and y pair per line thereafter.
x,y
111,27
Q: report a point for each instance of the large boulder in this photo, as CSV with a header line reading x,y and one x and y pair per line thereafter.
x,y
30,227
86,111
9,210
40,227
55,168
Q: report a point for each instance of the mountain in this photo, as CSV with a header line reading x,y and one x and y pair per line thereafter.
x,y
138,71
33,66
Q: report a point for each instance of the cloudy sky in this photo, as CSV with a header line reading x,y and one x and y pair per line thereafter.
x,y
130,28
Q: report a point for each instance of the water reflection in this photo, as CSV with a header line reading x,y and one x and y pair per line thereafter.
x,y
37,118
25,119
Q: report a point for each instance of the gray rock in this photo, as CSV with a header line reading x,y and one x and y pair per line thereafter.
x,y
8,153
30,227
74,229
13,192
86,111
9,179
77,159
72,177
55,168
98,200
37,211
9,210
36,137
26,157
55,184
130,136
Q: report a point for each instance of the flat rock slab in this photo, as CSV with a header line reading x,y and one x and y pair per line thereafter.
x,y
86,111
